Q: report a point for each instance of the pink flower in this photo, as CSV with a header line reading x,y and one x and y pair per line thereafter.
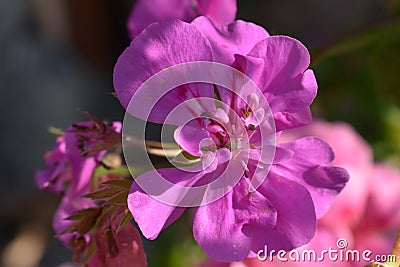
x,y
72,202
300,186
146,12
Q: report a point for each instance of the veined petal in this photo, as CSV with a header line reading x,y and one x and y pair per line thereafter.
x,y
290,120
252,208
160,46
308,167
221,12
278,65
238,37
219,227
190,137
144,206
349,206
296,221
146,12
217,232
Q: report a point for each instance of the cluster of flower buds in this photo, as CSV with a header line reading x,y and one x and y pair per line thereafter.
x,y
85,169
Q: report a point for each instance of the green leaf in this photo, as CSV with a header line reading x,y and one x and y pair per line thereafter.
x,y
90,250
216,93
82,214
55,131
118,199
123,184
385,32
121,171
85,220
125,220
103,194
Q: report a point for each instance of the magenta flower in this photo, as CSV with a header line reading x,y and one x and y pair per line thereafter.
x,y
71,165
58,172
80,169
300,185
146,12
76,154
72,202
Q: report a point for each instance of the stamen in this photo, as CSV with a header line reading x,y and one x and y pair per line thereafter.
x,y
253,101
259,114
246,113
246,170
251,127
221,115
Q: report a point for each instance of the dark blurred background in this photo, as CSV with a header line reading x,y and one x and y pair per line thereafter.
x,y
57,56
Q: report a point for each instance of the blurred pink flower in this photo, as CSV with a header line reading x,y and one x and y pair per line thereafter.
x,y
146,12
383,209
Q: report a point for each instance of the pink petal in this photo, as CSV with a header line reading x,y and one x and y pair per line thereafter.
x,y
70,204
221,12
82,167
307,167
296,221
349,206
216,231
238,37
278,65
190,137
144,206
146,12
160,46
219,227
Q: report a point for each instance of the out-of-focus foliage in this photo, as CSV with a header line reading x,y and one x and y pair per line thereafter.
x,y
175,246
359,83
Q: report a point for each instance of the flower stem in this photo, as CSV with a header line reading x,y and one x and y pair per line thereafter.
x,y
395,252
396,249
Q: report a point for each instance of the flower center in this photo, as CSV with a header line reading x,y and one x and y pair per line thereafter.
x,y
218,135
